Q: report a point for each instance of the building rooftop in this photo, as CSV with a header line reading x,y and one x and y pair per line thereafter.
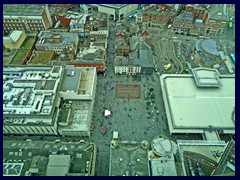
x,y
209,46
156,10
142,58
97,21
201,154
79,117
219,12
162,166
92,53
79,80
161,146
22,10
121,61
205,77
48,38
114,5
42,158
13,37
121,44
184,17
139,42
128,159
191,109
29,92
58,165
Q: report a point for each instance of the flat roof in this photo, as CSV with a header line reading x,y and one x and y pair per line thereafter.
x,y
15,35
80,117
163,166
205,77
35,154
71,78
202,147
29,92
78,79
58,165
210,47
66,38
191,109
23,9
114,5
219,12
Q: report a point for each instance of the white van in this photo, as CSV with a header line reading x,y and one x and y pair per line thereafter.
x,y
115,135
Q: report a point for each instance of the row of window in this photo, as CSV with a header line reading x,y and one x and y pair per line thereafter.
x,y
20,25
85,65
17,25
13,28
22,20
38,25
28,129
60,48
36,29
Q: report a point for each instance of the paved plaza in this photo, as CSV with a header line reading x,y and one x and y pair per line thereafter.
x,y
134,119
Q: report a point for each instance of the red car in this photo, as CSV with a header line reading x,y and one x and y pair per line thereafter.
x,y
104,130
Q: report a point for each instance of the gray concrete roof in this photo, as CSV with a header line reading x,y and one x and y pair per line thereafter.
x,y
67,38
142,58
193,109
58,165
35,154
219,12
210,46
80,118
163,166
206,77
138,42
114,6
121,61
23,9
70,82
197,44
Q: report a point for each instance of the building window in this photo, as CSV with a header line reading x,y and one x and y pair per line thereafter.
x,y
208,31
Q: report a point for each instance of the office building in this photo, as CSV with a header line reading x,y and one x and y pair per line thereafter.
x,y
26,17
33,98
114,11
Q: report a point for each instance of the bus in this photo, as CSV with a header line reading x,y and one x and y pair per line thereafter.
x,y
133,15
166,67
233,58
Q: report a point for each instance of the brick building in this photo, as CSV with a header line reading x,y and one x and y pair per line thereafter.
x,y
94,56
28,17
58,42
218,19
156,17
122,46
